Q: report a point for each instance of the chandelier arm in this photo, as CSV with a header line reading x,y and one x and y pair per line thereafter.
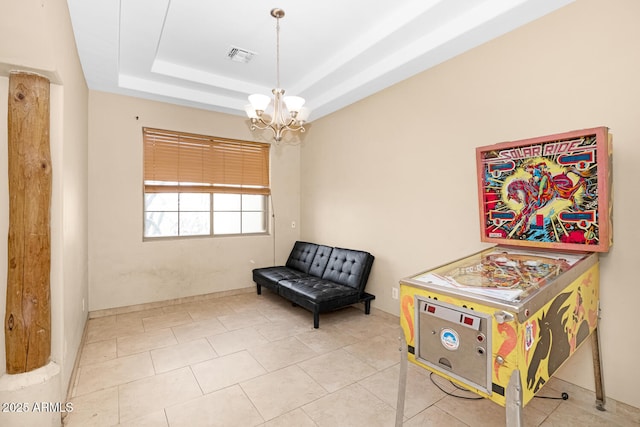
x,y
293,125
262,125
259,124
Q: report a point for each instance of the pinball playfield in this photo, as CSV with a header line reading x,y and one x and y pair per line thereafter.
x,y
503,274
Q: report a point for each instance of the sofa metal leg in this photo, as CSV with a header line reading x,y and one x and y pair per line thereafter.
x,y
258,289
316,320
366,299
367,307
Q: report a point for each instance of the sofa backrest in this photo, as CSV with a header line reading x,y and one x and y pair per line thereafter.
x,y
349,267
301,256
320,261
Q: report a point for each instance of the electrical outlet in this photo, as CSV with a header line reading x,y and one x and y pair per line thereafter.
x,y
394,293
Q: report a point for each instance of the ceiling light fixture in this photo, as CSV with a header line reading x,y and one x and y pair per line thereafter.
x,y
287,112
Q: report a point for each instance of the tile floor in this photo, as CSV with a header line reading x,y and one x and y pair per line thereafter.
x,y
249,360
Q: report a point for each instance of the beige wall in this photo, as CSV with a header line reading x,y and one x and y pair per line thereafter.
x,y
402,181
37,36
124,270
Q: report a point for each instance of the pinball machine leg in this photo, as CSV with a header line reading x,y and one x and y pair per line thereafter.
x,y
514,400
597,370
402,382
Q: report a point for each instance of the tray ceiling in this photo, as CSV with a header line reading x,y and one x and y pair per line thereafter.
x,y
332,53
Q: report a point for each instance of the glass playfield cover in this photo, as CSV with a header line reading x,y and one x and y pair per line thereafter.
x,y
507,274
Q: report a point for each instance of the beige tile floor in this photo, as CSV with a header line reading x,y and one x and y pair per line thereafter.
x,y
249,360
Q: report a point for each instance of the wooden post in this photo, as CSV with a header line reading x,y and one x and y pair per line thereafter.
x,y
28,314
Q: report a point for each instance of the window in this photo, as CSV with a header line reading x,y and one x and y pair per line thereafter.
x,y
197,185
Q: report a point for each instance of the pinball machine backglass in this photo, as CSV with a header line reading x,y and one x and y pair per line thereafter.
x,y
549,192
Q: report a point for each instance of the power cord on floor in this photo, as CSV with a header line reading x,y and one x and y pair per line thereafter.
x,y
564,395
456,386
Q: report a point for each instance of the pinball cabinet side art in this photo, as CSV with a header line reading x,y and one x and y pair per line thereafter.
x,y
502,321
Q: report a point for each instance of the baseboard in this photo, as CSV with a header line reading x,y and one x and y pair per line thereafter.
x,y
159,304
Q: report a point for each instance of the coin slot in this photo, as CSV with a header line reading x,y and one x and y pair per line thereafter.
x,y
445,362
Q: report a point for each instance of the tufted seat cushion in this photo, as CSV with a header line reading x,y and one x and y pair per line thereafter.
x,y
276,274
301,256
315,289
346,267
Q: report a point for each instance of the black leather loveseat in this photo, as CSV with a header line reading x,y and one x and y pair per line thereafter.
x,y
319,278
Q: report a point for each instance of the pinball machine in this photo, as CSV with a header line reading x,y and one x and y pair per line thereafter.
x,y
500,322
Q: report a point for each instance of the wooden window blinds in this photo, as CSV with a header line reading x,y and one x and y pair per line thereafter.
x,y
185,162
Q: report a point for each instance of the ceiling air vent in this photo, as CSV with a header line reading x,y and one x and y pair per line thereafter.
x,y
240,55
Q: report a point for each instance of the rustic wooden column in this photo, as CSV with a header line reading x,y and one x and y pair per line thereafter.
x,y
28,315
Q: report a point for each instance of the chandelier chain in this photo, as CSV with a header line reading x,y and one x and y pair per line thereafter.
x,y
278,52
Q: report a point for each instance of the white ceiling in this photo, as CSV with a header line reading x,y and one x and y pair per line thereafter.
x,y
332,52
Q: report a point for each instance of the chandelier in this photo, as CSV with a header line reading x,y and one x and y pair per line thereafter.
x,y
287,112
